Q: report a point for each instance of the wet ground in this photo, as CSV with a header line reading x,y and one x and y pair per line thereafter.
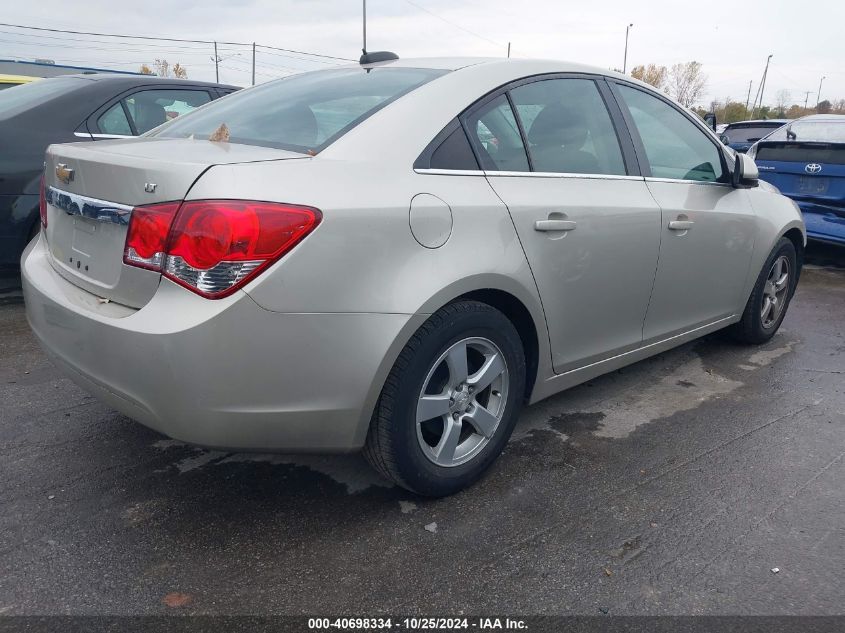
x,y
674,486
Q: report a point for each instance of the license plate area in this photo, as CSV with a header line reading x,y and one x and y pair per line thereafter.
x,y
813,184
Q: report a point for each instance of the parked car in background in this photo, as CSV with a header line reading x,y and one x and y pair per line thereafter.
x,y
10,81
806,161
396,257
75,108
741,135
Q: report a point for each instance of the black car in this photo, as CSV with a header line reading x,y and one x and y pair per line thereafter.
x,y
75,108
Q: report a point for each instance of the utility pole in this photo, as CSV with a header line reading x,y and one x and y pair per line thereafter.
x,y
216,65
819,95
763,81
253,63
625,60
806,97
509,49
748,98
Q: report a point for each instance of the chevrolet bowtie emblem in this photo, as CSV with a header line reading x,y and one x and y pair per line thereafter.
x,y
64,173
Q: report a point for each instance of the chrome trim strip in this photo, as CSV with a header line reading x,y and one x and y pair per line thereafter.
x,y
523,174
112,136
450,172
549,174
689,182
83,135
100,210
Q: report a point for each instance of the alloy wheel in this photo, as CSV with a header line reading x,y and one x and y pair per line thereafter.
x,y
775,292
462,401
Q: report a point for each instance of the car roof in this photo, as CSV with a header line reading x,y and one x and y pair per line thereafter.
x,y
758,122
142,79
839,118
523,66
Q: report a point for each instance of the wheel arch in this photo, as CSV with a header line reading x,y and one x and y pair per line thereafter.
x,y
519,304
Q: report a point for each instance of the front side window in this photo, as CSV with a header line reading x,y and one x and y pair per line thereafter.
x,y
675,147
304,113
495,134
568,127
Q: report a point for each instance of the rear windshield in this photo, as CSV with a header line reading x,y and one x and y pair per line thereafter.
x,y
797,152
304,113
25,96
748,133
809,130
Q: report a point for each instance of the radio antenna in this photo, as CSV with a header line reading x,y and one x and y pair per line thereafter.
x,y
364,50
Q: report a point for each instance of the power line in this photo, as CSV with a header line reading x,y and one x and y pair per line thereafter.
x,y
457,26
168,39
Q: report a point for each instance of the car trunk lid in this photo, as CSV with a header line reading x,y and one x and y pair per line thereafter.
x,y
808,170
92,189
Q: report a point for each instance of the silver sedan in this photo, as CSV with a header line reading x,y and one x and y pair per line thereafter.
x,y
397,257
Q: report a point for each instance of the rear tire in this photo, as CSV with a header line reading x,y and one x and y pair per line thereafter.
x,y
441,421
769,300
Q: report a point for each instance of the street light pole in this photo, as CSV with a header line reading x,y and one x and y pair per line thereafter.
x,y
819,95
763,83
625,60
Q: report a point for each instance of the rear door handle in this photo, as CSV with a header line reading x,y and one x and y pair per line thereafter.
x,y
680,225
554,225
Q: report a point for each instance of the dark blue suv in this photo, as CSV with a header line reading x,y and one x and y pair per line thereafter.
x,y
806,161
741,135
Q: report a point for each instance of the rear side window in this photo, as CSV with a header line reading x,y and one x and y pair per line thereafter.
x,y
147,109
568,127
303,113
114,121
454,153
495,134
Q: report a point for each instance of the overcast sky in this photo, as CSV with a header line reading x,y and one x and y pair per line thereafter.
x,y
807,40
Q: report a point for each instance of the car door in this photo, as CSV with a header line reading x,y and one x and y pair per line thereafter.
x,y
141,110
586,221
708,226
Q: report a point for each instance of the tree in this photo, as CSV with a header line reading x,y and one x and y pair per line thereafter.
x,y
782,99
164,69
686,83
652,74
824,107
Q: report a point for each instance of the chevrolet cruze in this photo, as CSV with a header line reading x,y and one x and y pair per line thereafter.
x,y
396,257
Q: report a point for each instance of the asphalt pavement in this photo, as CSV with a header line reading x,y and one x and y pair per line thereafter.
x,y
707,480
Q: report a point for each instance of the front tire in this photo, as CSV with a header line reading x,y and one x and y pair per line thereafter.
x,y
451,401
769,300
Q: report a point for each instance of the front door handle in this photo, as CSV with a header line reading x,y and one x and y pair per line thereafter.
x,y
680,225
554,225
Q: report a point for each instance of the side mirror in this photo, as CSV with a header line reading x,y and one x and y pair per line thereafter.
x,y
710,120
745,173
725,140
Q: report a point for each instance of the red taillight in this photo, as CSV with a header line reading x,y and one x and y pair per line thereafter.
x,y
214,247
42,202
147,236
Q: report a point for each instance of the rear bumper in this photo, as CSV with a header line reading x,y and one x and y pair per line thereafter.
x,y
225,374
824,222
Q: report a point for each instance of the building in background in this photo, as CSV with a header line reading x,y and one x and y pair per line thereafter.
x,y
46,68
